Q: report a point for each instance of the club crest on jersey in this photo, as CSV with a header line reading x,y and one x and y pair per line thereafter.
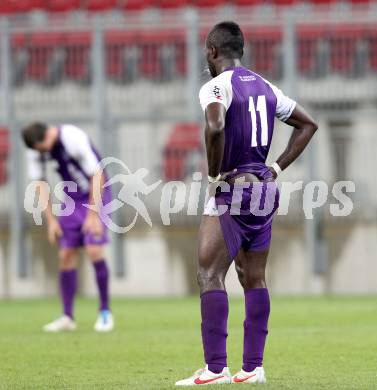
x,y
216,92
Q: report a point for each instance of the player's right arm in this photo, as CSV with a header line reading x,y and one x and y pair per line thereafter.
x,y
304,127
36,173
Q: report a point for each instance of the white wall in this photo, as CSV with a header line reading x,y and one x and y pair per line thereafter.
x,y
159,263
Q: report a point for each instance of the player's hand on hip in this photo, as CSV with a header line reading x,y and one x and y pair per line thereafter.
x,y
54,231
212,187
225,175
274,173
93,224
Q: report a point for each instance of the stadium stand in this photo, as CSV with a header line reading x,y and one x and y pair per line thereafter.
x,y
209,3
100,5
48,57
348,50
170,4
136,5
62,5
15,6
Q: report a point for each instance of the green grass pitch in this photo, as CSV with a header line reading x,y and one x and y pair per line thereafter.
x,y
314,343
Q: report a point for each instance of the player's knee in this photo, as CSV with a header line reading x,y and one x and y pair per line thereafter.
x,y
94,252
210,278
67,260
256,280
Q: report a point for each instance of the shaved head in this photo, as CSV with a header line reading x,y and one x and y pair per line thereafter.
x,y
227,38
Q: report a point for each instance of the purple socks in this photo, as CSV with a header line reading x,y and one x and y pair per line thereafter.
x,y
257,307
68,284
102,277
214,308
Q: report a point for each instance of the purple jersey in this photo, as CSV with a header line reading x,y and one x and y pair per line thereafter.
x,y
252,103
77,161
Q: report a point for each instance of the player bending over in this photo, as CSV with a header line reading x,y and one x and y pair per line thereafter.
x,y
78,162
240,107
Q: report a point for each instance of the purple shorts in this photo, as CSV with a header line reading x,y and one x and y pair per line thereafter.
x,y
246,216
72,225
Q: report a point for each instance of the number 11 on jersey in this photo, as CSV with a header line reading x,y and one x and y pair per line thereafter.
x,y
262,109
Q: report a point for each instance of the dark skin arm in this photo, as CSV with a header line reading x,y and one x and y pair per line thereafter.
x,y
215,137
304,129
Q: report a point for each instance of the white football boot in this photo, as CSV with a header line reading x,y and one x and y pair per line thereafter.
x,y
207,377
105,321
255,376
62,324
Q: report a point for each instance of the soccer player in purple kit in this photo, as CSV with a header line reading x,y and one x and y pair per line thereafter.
x,y
240,107
77,162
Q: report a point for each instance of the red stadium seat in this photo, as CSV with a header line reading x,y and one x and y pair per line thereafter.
x,y
242,3
324,2
123,53
264,46
40,47
114,54
183,141
100,5
14,6
167,4
152,42
29,5
209,3
371,39
144,48
77,48
307,46
62,5
343,41
43,53
8,7
137,5
284,2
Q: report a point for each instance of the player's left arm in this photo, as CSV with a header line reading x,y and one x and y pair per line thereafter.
x,y
304,128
